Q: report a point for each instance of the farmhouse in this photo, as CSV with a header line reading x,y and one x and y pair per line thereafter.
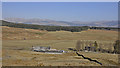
x,y
46,49
88,48
40,48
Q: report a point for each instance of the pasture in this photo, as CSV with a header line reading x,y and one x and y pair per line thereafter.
x,y
17,44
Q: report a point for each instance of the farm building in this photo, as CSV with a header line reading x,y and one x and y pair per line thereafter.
x,y
88,48
46,49
40,48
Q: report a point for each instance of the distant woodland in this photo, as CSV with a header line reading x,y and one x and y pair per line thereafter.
x,y
54,28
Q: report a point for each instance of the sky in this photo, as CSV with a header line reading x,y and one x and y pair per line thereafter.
x,y
62,11
60,0
0,11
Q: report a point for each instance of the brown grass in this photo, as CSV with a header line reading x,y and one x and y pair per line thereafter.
x,y
16,51
10,33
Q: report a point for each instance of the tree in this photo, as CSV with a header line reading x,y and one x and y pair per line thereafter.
x,y
95,45
100,47
78,45
110,48
91,47
117,46
82,45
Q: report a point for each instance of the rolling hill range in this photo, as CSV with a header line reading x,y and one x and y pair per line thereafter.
x,y
63,23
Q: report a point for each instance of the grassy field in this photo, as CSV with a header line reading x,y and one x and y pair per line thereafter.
x,y
10,33
17,43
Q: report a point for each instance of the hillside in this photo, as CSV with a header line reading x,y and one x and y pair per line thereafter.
x,y
17,43
45,27
21,33
55,28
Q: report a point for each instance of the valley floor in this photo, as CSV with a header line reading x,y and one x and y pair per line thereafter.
x,y
16,54
17,44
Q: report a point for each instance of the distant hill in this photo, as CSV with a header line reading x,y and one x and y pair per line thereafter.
x,y
62,23
54,28
37,21
45,27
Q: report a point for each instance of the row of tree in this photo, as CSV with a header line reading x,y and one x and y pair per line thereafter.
x,y
98,47
105,28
